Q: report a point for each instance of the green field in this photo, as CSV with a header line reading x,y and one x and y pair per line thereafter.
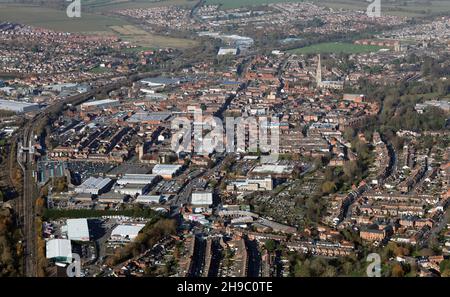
x,y
410,8
57,19
229,4
90,23
336,47
110,5
148,40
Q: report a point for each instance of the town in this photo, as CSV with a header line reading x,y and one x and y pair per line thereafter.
x,y
337,144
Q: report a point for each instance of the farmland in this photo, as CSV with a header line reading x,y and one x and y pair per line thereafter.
x,y
336,47
412,8
148,40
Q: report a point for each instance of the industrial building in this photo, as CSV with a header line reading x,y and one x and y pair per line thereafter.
x,y
251,185
99,104
166,171
136,179
150,199
133,189
94,186
77,229
135,184
202,198
227,51
126,233
18,107
59,250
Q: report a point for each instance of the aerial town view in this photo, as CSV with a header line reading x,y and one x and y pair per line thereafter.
x,y
224,138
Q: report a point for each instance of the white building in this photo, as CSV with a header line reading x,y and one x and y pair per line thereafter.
x,y
167,171
99,104
18,107
251,185
94,186
135,184
59,250
227,51
136,179
202,198
132,189
77,229
150,199
125,233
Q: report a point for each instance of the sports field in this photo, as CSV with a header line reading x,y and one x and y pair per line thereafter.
x,y
336,47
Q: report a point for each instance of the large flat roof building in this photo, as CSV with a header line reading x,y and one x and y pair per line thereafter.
x,y
77,229
137,179
59,250
99,104
124,233
94,186
202,198
167,171
18,107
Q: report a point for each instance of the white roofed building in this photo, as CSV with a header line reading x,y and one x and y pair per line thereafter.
x,y
59,250
94,186
99,104
167,171
202,198
77,229
126,233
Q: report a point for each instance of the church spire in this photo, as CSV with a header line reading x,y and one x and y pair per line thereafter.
x,y
319,72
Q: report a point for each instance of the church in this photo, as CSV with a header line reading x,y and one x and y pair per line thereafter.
x,y
334,85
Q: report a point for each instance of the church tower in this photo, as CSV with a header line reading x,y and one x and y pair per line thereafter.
x,y
319,72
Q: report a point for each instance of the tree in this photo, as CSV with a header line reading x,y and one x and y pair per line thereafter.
x,y
397,270
270,245
328,187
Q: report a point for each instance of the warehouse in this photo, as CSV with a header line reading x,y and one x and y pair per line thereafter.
x,y
135,184
166,171
150,199
125,233
94,186
77,229
59,250
202,198
136,179
18,107
99,104
133,189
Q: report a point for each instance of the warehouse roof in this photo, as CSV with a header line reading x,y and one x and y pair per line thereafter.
x,y
99,102
165,169
94,183
77,229
201,198
16,105
129,231
58,248
136,179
